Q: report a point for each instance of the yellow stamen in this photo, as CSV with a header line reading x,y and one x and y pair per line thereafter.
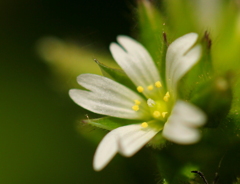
x,y
144,125
137,102
164,114
135,107
150,87
158,84
140,89
156,114
166,97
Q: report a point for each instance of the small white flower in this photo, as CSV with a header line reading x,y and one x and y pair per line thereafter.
x,y
159,109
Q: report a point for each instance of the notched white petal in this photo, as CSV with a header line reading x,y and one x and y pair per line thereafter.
x,y
106,150
183,122
187,114
180,134
191,114
181,56
186,62
101,105
179,47
143,58
126,140
133,137
108,97
128,64
134,59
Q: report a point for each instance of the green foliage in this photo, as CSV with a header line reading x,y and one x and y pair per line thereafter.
x,y
116,74
108,123
179,17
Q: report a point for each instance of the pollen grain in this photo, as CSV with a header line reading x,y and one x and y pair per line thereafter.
x,y
150,87
137,102
158,84
144,125
140,89
164,114
135,107
156,114
166,97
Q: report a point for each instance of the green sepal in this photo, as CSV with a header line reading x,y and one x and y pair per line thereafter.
x,y
108,123
206,63
158,141
214,97
116,74
201,73
90,133
152,33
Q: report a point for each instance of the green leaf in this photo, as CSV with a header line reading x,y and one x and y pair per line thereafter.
x,y
108,123
116,74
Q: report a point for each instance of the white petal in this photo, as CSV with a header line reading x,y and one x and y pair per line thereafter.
x,y
106,150
181,56
180,134
108,97
134,59
133,137
126,140
189,114
183,122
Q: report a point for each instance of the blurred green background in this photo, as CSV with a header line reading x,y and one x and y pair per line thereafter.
x,y
39,142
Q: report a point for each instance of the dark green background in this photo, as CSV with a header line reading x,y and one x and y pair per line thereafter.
x,y
39,142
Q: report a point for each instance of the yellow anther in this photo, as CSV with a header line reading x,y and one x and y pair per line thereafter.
x,y
144,125
135,107
137,102
150,87
140,89
158,84
156,114
164,114
166,97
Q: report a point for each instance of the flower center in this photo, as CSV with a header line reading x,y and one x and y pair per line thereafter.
x,y
159,109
